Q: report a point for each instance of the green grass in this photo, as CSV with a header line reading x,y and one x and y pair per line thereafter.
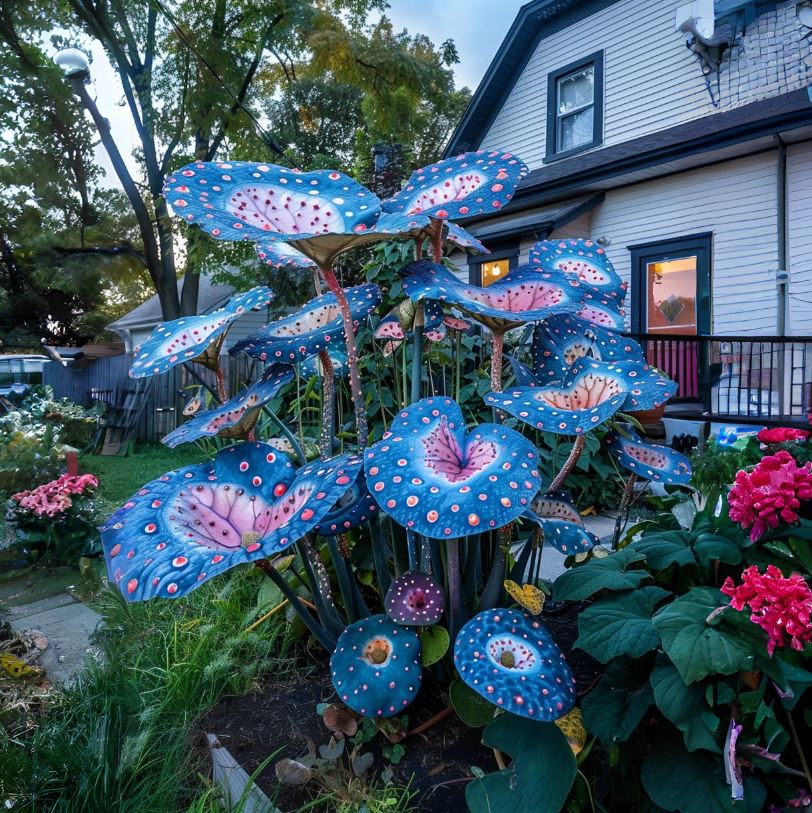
x,y
120,477
118,741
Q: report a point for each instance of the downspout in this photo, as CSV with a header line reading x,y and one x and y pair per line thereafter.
x,y
782,272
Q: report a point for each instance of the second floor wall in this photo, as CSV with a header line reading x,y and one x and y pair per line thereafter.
x,y
650,78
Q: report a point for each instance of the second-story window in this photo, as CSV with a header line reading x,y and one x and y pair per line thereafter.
x,y
575,107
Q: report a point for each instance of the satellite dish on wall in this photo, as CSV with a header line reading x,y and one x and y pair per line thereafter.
x,y
697,18
805,16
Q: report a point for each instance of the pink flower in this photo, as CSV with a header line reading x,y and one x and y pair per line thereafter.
x,y
782,434
780,605
54,498
772,493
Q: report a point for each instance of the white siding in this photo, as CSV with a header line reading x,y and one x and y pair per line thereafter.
x,y
735,201
799,190
651,80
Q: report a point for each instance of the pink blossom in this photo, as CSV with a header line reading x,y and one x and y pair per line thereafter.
x,y
54,498
782,434
772,493
780,605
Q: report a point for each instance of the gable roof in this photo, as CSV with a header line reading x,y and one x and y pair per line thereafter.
x,y
148,313
535,19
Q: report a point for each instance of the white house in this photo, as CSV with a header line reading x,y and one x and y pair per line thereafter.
x,y
678,136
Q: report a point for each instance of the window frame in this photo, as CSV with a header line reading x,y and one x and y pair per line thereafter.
x,y
596,61
475,268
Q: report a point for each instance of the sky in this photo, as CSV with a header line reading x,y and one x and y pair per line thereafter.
x,y
476,26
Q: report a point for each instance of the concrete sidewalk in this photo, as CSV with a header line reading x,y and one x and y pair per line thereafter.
x,y
67,624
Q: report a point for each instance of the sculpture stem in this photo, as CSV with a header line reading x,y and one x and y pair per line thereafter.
x,y
497,356
569,463
327,407
437,241
222,394
417,352
623,508
454,587
352,356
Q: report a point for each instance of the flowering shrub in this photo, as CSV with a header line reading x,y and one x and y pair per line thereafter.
x,y
780,605
772,493
56,520
782,434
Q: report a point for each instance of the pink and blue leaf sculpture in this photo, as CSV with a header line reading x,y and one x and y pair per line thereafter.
x,y
194,523
414,599
239,200
464,239
650,461
184,339
238,409
590,394
511,660
316,327
376,667
523,295
473,183
433,477
563,527
279,254
583,259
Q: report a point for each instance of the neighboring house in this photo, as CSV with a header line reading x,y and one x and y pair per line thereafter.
x,y
679,137
136,325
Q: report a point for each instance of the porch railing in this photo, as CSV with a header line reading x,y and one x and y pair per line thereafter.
x,y
744,379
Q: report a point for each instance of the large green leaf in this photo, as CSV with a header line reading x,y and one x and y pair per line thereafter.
x,y
608,573
685,706
538,779
710,547
665,549
620,625
615,707
694,783
796,680
699,649
434,642
473,710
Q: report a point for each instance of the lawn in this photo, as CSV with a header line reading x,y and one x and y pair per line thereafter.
x,y
120,477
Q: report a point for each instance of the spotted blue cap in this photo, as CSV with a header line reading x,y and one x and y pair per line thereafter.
x,y
235,414
280,254
649,460
172,343
376,667
433,477
561,523
354,507
473,183
414,599
509,658
316,327
192,524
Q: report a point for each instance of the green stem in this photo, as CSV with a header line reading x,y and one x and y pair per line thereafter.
x,y
291,438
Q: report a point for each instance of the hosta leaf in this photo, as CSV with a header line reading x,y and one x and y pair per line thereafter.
x,y
473,710
538,779
696,648
620,625
615,707
710,547
665,549
608,573
685,706
435,642
694,783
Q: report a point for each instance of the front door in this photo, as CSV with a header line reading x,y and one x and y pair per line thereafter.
x,y
670,300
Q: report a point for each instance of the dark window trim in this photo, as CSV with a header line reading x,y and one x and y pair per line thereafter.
x,y
595,59
475,268
673,248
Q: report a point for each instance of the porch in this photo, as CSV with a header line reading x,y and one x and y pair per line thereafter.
x,y
739,379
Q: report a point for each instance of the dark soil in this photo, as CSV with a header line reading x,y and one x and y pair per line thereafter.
x,y
280,718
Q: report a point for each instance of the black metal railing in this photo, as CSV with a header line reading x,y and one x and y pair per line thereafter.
x,y
747,379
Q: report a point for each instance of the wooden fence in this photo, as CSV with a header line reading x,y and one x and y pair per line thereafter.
x,y
107,381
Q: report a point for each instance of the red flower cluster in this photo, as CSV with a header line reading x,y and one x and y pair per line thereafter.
x,y
780,606
54,498
771,493
782,434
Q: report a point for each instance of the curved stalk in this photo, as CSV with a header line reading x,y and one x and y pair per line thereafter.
x,y
497,360
623,508
222,393
327,406
569,463
417,352
359,406
455,619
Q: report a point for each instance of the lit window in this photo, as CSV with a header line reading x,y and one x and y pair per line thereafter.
x,y
494,270
672,294
575,107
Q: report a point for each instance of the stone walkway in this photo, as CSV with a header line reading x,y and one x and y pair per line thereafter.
x,y
67,624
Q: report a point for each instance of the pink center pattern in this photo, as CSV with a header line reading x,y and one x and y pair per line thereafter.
x,y
526,296
310,321
286,212
648,457
584,270
445,456
524,656
457,188
591,391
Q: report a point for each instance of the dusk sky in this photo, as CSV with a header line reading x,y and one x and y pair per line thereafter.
x,y
476,26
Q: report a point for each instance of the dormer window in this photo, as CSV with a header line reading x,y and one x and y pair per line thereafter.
x,y
575,107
